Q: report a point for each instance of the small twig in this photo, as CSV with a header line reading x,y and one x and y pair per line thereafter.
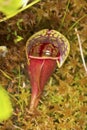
x,y
81,51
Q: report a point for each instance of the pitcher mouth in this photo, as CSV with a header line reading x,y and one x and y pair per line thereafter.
x,y
48,44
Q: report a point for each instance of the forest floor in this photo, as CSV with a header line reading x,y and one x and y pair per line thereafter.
x,y
63,105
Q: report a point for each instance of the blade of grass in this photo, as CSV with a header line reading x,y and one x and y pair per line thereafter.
x,y
17,127
20,89
19,79
5,74
63,19
74,25
22,9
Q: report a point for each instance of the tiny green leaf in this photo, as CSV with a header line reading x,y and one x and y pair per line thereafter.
x,y
18,39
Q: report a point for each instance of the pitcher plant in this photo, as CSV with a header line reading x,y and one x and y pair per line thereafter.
x,y
44,50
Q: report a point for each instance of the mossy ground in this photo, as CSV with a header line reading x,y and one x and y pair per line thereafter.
x,y
63,105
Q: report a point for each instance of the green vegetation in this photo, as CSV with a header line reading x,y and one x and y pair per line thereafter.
x,y
5,105
11,8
